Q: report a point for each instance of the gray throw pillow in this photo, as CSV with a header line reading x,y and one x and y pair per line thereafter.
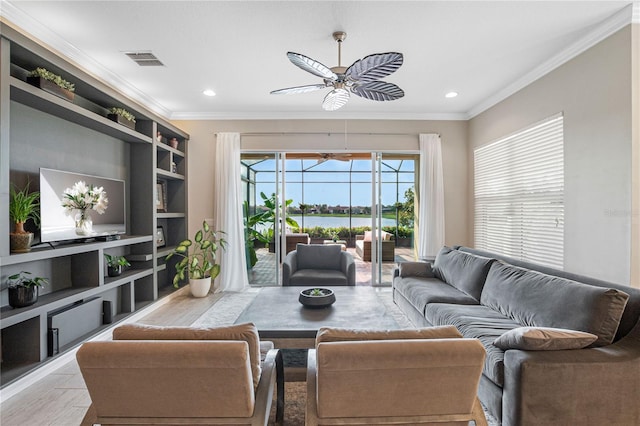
x,y
544,339
464,271
416,269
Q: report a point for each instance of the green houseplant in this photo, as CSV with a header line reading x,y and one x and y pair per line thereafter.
x,y
52,83
23,289
198,262
122,116
22,207
115,264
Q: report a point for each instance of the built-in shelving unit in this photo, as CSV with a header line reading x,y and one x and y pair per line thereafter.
x,y
39,129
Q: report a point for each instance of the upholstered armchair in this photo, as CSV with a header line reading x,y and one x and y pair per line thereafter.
x,y
215,376
317,265
367,378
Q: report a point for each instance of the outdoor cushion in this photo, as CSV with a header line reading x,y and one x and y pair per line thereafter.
x,y
338,334
247,332
319,256
544,339
466,272
539,300
478,322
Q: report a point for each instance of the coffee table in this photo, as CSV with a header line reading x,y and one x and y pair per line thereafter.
x,y
280,317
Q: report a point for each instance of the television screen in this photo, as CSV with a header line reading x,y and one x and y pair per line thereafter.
x,y
58,224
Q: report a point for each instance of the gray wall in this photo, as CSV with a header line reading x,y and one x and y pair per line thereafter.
x,y
593,91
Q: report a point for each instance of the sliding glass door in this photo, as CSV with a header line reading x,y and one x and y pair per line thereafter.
x,y
360,200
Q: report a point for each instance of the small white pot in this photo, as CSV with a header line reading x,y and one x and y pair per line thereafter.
x,y
200,287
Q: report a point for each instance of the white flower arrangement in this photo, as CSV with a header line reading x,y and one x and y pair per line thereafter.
x,y
84,197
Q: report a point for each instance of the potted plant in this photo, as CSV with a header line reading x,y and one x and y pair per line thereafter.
x,y
115,264
51,83
122,116
22,207
23,290
198,261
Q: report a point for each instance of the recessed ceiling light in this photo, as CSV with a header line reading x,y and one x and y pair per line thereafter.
x,y
209,92
451,95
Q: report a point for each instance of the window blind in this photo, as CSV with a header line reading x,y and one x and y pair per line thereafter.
x,y
519,194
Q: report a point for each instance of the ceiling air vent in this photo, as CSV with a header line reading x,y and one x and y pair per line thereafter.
x,y
145,59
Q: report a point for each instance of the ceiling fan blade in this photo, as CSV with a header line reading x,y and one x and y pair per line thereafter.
x,y
312,66
299,89
335,99
378,91
374,67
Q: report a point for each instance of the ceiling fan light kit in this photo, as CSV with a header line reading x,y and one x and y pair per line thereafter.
x,y
362,78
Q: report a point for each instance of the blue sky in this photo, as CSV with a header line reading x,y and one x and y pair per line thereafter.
x,y
328,182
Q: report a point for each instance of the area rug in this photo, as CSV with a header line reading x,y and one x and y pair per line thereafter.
x,y
230,306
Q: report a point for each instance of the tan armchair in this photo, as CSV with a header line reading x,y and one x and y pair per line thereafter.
x,y
197,381
418,381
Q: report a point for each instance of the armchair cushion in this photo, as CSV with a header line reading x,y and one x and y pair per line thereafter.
x,y
243,332
316,256
336,334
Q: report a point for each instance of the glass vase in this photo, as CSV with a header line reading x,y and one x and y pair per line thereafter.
x,y
84,224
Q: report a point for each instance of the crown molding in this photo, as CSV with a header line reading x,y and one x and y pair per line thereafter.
x,y
605,29
320,115
35,30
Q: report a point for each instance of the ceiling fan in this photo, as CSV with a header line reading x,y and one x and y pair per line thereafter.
x,y
331,156
361,78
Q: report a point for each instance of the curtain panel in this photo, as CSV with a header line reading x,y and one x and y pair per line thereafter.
x,y
228,213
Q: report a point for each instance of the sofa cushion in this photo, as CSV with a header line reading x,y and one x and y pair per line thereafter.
x,y
318,256
415,269
421,291
539,300
544,339
477,322
247,332
337,334
466,272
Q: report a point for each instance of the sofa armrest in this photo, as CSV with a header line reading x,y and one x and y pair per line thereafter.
x,y
348,267
289,267
584,386
272,377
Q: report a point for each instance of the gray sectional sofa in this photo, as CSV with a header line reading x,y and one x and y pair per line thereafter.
x,y
562,349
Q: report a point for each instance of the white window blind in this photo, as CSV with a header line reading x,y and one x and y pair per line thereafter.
x,y
519,194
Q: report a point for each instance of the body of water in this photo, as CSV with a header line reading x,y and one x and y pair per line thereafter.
x,y
311,221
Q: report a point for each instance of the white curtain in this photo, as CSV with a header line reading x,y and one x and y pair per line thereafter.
x,y
228,213
431,212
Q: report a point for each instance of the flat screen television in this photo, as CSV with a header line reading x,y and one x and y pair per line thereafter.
x,y
58,225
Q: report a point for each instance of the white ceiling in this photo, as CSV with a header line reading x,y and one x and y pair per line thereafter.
x,y
482,50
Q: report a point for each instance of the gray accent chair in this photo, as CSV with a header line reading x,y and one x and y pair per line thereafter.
x,y
318,265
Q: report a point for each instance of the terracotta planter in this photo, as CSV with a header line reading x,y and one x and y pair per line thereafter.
x,y
20,296
121,120
51,87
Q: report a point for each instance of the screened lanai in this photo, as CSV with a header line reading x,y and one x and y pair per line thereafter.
x,y
329,197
